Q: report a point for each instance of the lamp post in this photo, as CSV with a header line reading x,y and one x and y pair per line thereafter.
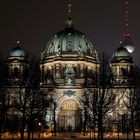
x,y
39,124
53,106
54,117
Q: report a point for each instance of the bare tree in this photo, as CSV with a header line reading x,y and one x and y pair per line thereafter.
x,y
29,100
132,102
100,101
103,99
2,96
85,103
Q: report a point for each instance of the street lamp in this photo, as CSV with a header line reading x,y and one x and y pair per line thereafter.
x,y
39,124
54,117
53,106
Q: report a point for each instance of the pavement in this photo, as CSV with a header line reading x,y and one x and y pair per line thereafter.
x,y
79,136
75,136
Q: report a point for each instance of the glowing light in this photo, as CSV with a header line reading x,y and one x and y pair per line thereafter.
x,y
18,42
39,124
130,49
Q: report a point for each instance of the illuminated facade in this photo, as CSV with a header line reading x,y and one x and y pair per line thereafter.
x,y
71,62
123,77
68,64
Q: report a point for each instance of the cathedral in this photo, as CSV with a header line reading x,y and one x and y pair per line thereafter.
x,y
68,64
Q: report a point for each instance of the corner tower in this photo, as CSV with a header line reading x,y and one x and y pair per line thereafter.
x,y
16,65
122,61
122,68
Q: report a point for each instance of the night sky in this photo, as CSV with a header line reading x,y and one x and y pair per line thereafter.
x,y
34,22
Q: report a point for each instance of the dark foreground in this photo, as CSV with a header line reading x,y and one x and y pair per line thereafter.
x,y
74,136
75,139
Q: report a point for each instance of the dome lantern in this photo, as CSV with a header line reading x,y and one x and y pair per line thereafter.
x,y
69,21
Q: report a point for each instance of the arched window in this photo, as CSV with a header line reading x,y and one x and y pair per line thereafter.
x,y
124,72
15,72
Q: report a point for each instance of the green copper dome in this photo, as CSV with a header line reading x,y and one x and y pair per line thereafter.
x,y
17,53
69,41
121,53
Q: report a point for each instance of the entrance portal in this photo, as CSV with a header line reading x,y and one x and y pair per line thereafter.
x,y
69,118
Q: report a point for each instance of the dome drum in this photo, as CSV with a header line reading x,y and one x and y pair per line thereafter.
x,y
67,73
68,57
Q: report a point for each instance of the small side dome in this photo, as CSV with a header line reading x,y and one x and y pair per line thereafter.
x,y
121,53
17,53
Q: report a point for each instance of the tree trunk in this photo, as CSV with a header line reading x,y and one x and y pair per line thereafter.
x,y
30,127
22,134
29,131
22,129
0,132
85,121
100,127
133,125
32,134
